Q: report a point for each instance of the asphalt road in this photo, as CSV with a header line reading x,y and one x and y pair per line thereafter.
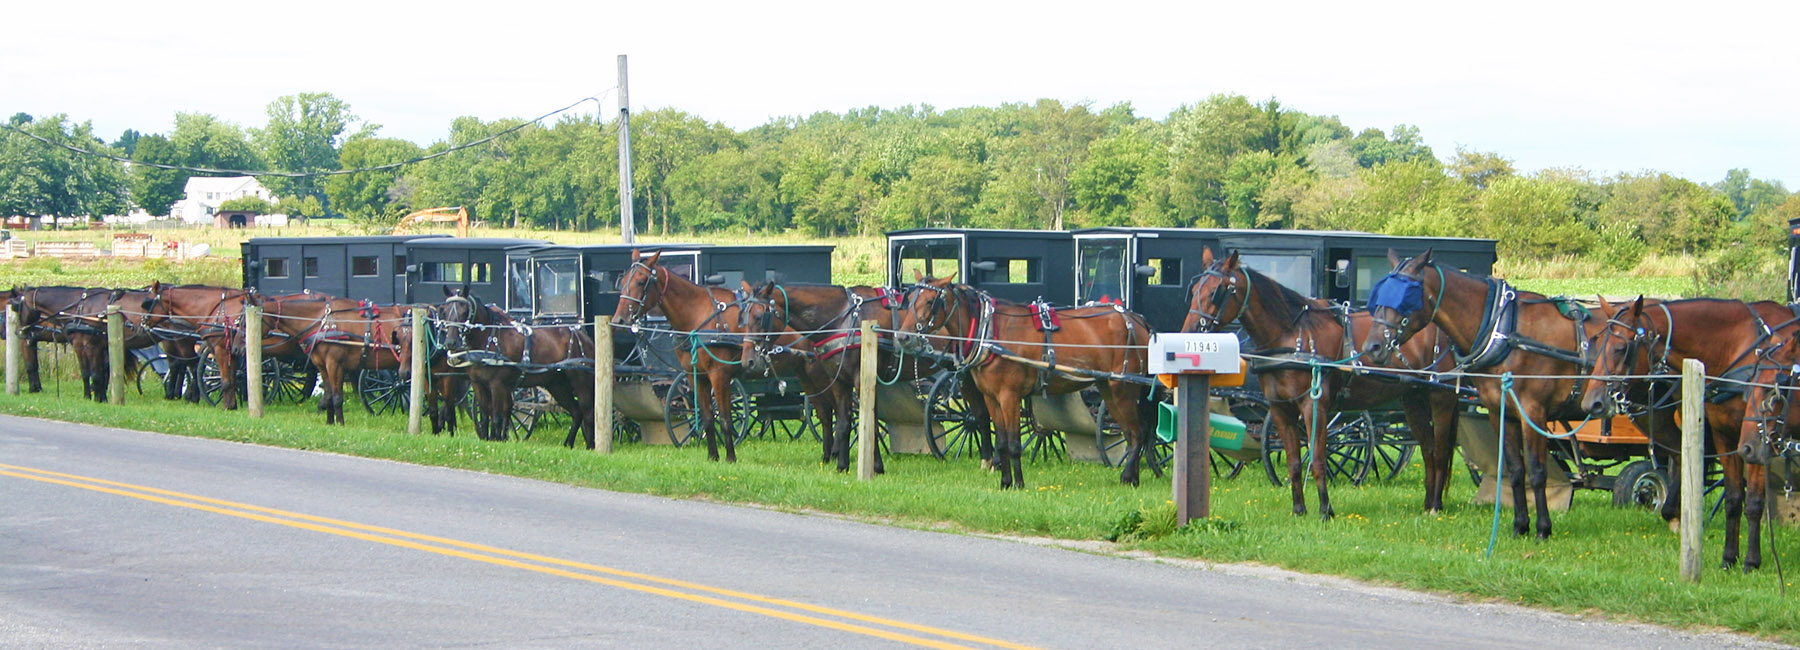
x,y
120,539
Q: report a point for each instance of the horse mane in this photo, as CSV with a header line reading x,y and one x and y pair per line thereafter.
x,y
1285,305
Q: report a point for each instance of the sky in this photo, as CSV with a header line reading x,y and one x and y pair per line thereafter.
x,y
1692,89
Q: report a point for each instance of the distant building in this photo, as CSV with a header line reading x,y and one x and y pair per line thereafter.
x,y
205,193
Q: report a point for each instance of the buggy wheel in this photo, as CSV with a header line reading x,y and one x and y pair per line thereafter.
x,y
383,391
1389,451
1641,484
625,429
211,381
529,405
680,413
948,416
783,416
155,366
1349,437
288,380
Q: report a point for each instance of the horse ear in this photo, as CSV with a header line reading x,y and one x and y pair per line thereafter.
x,y
918,276
448,293
1637,307
1426,257
950,279
1232,262
653,258
1605,306
1393,258
748,290
1206,256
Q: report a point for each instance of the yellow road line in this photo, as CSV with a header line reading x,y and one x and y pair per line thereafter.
x,y
498,556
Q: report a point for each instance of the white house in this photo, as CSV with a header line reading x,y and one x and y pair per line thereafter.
x,y
205,193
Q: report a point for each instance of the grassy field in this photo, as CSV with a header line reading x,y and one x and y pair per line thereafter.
x,y
1612,563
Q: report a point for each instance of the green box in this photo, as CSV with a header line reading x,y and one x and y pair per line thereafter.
x,y
1227,432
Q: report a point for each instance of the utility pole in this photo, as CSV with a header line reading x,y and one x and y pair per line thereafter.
x,y
627,229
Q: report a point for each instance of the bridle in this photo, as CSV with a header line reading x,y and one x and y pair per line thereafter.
x,y
1211,321
451,332
1771,411
1634,334
1391,337
942,304
656,277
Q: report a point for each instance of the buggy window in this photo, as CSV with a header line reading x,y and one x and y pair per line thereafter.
x,y
363,266
310,267
518,290
275,267
1292,271
1167,271
1369,270
558,286
934,258
1102,272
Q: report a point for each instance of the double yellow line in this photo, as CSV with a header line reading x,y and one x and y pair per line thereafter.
x,y
826,617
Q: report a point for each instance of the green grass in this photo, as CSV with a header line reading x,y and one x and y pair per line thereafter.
x,y
1619,564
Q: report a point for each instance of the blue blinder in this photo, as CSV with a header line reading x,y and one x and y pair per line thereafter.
x,y
1404,294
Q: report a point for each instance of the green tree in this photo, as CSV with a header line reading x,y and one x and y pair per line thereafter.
x,y
37,179
1480,169
303,135
1532,218
154,189
247,204
201,140
1750,195
662,141
1674,215
367,196
1111,184
1372,147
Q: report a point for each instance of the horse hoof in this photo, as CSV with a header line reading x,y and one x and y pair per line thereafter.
x,y
1675,525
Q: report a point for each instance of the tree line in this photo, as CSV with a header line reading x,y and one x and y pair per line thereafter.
x,y
1226,161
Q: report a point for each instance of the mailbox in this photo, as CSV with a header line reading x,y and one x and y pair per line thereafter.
x,y
1194,354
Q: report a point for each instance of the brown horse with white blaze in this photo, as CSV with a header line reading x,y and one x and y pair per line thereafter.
x,y
501,354
1521,354
1733,339
1276,317
710,357
339,336
1011,351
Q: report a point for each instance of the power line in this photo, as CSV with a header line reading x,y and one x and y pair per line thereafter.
x,y
339,172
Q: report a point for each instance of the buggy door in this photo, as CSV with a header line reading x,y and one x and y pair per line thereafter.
x,y
520,296
280,272
556,283
1103,269
322,269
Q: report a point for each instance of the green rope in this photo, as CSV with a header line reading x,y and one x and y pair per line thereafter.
x,y
1506,386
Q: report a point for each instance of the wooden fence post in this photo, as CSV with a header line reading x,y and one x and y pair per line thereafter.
x,y
1192,482
415,388
866,444
253,359
15,350
115,355
1693,464
603,385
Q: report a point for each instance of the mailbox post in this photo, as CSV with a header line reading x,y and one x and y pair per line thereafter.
x,y
1193,359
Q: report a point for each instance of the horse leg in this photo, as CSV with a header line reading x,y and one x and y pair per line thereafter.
x,y
564,394
981,421
1286,417
1540,471
1006,429
484,403
1757,477
1733,466
228,387
1320,447
721,398
702,399
1423,422
334,388
501,421
31,366
1123,407
1513,454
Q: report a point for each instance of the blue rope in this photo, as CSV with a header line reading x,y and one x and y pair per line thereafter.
x,y
1506,386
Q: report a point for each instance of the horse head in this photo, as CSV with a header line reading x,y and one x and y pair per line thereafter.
x,y
1615,352
451,320
640,289
1398,305
1210,306
930,305
756,320
1769,407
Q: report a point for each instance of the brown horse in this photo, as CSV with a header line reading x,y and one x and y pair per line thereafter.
x,y
1303,332
1733,339
501,354
339,336
1521,354
709,356
216,317
1012,351
15,297
75,315
447,386
1771,418
830,315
